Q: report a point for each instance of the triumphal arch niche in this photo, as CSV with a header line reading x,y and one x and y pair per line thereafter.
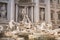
x,y
27,5
3,11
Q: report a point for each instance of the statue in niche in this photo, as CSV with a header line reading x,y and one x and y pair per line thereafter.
x,y
3,11
20,16
25,16
42,15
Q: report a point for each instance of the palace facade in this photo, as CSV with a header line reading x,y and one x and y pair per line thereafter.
x,y
37,11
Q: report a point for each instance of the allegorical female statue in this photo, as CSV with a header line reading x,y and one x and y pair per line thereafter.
x,y
25,16
42,15
3,11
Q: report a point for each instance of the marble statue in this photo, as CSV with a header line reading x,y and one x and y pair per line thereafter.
x,y
42,15
25,18
1,28
49,26
11,25
43,25
3,11
29,27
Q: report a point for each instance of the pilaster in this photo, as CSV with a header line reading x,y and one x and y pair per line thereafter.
x,y
36,11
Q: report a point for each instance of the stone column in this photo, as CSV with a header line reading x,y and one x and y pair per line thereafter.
x,y
31,14
8,11
27,10
36,11
12,9
16,12
47,12
55,14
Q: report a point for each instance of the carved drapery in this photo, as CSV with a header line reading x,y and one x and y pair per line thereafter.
x,y
42,14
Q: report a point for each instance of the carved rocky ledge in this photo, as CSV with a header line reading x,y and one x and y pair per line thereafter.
x,y
30,29
26,29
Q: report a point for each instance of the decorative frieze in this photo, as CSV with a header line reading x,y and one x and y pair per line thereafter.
x,y
4,1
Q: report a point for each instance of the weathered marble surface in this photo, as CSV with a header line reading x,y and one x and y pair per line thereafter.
x,y
29,30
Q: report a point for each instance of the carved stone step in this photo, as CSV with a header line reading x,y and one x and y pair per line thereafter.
x,y
4,22
11,38
7,39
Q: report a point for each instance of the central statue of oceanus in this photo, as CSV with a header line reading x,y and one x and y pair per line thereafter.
x,y
25,16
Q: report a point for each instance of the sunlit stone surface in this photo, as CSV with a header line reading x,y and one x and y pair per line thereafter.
x,y
28,30
1,28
